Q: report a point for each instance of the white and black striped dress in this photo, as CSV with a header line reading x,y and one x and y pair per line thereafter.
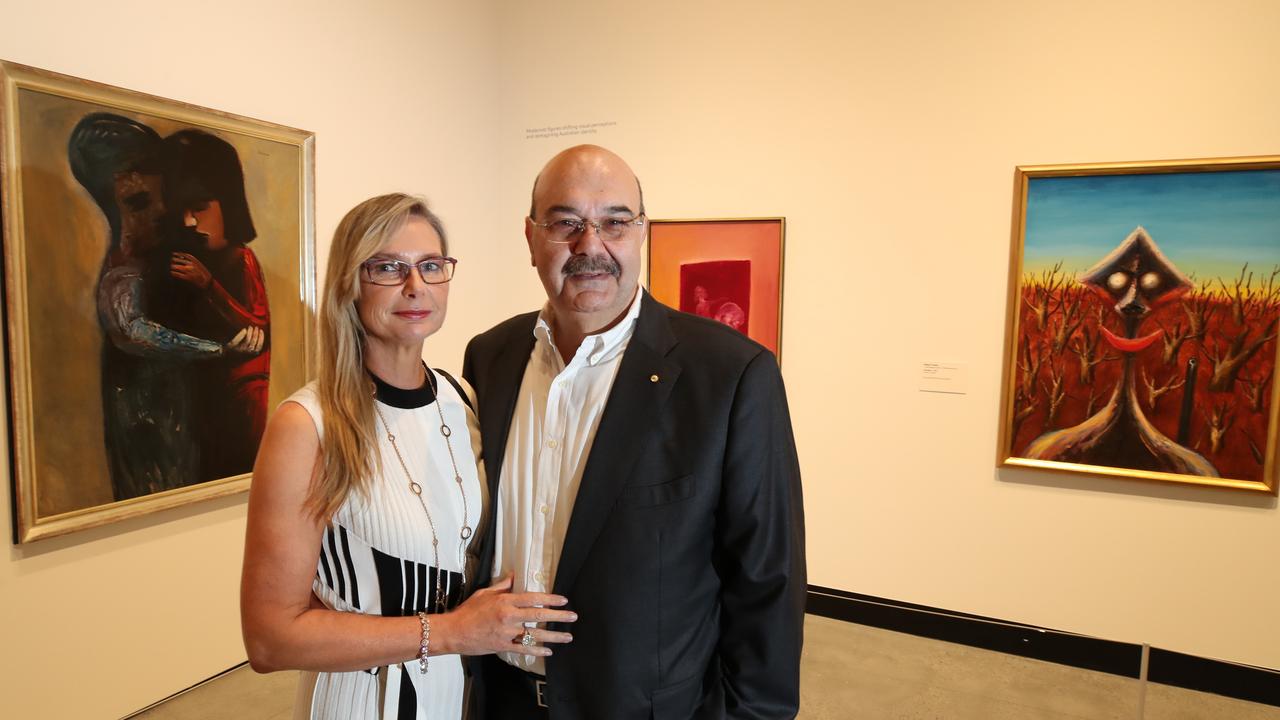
x,y
376,556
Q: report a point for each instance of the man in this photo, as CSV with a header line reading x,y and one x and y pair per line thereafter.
x,y
642,464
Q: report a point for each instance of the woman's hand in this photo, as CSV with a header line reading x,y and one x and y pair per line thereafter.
x,y
186,267
494,619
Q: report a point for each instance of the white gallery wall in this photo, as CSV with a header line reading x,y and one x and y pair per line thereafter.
x,y
401,96
886,134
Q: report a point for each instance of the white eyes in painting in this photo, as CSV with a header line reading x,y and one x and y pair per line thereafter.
x,y
1117,280
1150,281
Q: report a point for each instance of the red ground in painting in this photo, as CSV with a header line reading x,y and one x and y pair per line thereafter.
x,y
1066,370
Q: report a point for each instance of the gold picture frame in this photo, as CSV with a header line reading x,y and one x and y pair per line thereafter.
x,y
1140,336
737,264
159,296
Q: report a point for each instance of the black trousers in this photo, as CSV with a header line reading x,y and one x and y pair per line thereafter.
x,y
511,693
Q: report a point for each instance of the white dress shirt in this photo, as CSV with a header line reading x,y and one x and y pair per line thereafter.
x,y
554,425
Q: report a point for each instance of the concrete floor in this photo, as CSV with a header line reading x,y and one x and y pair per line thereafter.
x,y
854,671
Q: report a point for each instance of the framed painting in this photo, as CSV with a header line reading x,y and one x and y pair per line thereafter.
x,y
158,296
1143,307
727,270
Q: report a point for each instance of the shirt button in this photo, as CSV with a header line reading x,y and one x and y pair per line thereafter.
x,y
543,509
540,576
551,444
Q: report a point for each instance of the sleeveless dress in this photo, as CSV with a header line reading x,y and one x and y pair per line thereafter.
x,y
376,556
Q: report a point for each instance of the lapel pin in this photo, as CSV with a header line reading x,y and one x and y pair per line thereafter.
x,y
653,378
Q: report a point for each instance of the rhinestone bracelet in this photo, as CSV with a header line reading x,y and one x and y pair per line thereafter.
x,y
426,639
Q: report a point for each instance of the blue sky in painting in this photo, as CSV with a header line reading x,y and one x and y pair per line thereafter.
x,y
1208,223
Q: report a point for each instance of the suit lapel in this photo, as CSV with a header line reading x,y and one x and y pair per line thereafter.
x,y
631,413
500,403
498,390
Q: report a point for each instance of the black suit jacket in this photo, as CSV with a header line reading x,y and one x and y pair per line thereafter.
x,y
684,556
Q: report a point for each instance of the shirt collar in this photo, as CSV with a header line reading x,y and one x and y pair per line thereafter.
x,y
599,347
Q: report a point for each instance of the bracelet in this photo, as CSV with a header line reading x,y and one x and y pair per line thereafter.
x,y
426,640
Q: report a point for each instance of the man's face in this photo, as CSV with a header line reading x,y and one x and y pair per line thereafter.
x,y
141,205
589,278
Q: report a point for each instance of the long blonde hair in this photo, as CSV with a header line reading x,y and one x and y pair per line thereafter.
x,y
349,452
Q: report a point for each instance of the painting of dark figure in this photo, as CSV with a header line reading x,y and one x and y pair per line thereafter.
x,y
1144,320
159,285
181,302
1132,281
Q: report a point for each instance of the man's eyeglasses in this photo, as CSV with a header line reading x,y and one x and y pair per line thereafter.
x,y
610,229
433,270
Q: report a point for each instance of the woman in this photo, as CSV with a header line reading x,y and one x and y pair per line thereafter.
x,y
367,494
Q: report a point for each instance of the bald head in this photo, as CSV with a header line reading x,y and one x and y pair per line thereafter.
x,y
576,165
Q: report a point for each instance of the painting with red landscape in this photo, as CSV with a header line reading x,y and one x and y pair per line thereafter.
x,y
1143,321
729,271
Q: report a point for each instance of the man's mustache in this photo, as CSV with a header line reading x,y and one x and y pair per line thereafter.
x,y
591,265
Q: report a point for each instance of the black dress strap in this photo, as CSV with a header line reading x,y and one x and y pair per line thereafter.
x,y
457,386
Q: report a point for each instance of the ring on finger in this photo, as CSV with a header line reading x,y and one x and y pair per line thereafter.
x,y
526,639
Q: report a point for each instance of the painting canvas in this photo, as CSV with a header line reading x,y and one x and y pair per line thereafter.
x,y
729,271
1144,301
158,292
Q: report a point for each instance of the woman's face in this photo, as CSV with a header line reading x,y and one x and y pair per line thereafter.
x,y
404,315
206,219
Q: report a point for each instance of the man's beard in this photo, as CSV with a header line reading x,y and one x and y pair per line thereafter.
x,y
591,265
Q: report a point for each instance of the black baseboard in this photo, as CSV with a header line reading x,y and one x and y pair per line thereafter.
x,y
1243,682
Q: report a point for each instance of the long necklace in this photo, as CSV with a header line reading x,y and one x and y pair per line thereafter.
x,y
465,532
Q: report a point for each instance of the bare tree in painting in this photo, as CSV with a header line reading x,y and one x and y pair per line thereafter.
x,y
1199,308
1024,398
1238,294
1056,394
1070,316
1173,339
1226,363
1255,390
1029,366
1043,291
1220,421
1155,392
1024,407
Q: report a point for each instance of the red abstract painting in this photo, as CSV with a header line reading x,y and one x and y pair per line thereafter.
x,y
729,271
719,290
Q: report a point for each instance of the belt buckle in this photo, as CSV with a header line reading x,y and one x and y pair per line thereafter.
x,y
538,687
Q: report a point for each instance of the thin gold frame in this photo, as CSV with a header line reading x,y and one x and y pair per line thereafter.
x,y
1004,454
782,255
14,77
